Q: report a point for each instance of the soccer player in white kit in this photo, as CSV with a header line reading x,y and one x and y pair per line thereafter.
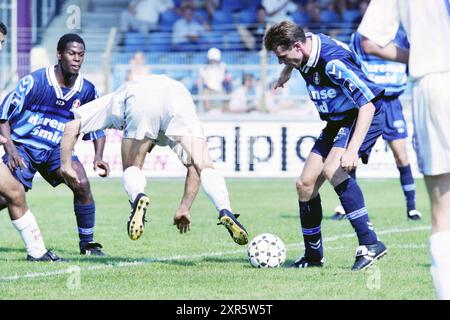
x,y
427,24
154,110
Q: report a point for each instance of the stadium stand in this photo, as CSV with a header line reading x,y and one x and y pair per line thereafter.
x,y
182,62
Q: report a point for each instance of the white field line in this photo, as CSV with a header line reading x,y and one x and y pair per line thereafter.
x,y
144,261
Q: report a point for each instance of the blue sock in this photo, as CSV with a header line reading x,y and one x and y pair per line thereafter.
x,y
310,219
85,214
409,189
352,200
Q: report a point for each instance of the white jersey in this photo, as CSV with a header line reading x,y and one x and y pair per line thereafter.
x,y
427,24
146,107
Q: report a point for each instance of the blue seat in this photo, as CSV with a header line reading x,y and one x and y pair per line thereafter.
x,y
329,16
160,41
136,41
350,15
211,39
222,21
232,41
300,17
201,15
232,5
247,17
167,19
253,4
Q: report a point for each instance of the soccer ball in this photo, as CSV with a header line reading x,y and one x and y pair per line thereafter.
x,y
266,251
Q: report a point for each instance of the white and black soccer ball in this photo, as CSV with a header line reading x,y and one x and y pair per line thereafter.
x,y
266,251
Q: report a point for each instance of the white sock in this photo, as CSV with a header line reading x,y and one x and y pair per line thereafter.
x,y
214,186
440,263
134,182
31,235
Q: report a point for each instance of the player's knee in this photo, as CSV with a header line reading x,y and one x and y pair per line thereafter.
x,y
304,185
83,189
329,171
14,196
401,159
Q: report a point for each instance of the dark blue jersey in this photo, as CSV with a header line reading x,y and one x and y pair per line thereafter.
x,y
335,79
388,74
38,109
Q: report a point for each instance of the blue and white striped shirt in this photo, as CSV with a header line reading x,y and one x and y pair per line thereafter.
x,y
38,109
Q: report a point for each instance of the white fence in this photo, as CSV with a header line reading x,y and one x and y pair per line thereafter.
x,y
248,149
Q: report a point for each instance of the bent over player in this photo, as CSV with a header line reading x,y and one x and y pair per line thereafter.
x,y
145,109
350,104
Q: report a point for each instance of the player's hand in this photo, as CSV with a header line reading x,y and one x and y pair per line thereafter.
x,y
103,166
15,160
349,161
182,220
70,176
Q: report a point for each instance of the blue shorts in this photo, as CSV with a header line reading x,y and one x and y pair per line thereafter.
x,y
395,125
338,133
46,162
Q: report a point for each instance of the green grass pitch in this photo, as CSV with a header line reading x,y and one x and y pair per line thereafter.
x,y
206,263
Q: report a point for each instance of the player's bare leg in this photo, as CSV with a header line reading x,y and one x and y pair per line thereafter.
x,y
398,148
310,212
439,191
133,158
13,193
311,178
214,185
84,208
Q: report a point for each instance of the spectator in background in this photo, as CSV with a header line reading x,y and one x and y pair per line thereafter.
x,y
143,15
187,31
209,5
138,67
252,35
316,23
214,81
343,5
362,10
243,98
278,10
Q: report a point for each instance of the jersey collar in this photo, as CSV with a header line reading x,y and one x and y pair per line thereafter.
x,y
315,52
51,79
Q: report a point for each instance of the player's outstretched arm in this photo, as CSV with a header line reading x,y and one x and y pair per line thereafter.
x,y
2,139
284,77
349,160
182,219
389,52
70,136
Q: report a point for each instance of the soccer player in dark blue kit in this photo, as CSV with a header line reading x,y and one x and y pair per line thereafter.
x,y
350,104
392,77
32,119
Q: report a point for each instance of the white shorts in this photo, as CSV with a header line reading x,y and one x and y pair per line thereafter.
x,y
431,115
143,108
